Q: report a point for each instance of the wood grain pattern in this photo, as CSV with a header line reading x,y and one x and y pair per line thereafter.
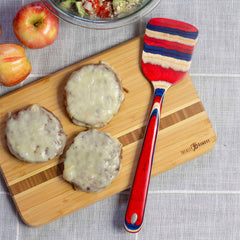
x,y
39,191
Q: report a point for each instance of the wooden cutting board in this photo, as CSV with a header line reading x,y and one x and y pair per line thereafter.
x,y
39,191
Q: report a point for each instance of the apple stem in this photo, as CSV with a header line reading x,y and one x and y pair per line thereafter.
x,y
38,23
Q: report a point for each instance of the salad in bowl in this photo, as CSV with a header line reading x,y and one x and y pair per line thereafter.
x,y
100,14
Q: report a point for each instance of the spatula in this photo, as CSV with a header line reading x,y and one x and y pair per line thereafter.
x,y
166,58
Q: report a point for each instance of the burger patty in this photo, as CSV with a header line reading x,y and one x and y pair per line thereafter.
x,y
93,95
93,160
34,134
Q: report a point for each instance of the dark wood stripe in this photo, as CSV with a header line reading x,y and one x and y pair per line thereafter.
x,y
165,122
181,115
126,139
37,179
132,136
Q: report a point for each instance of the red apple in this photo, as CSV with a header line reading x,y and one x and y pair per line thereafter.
x,y
35,26
14,65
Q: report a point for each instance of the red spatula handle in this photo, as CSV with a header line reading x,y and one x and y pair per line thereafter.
x,y
136,205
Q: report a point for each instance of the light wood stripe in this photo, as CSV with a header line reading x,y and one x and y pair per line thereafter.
x,y
126,139
28,175
37,179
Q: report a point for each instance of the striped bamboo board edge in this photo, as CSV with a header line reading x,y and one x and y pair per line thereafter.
x,y
39,191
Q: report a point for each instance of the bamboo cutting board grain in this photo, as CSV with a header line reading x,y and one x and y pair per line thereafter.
x,y
39,191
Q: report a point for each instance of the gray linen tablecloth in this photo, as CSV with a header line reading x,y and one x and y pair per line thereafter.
x,y
197,200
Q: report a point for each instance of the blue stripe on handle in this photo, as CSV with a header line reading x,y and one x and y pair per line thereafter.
x,y
173,31
155,113
132,227
159,92
167,52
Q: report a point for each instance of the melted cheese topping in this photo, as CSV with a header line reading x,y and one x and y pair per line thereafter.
x,y
93,95
35,135
93,160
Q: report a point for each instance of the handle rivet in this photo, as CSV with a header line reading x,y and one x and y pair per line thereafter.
x,y
134,218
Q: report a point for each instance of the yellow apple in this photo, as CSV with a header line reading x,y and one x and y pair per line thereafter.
x,y
14,65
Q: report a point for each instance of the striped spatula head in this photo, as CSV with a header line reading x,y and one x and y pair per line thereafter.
x,y
167,50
